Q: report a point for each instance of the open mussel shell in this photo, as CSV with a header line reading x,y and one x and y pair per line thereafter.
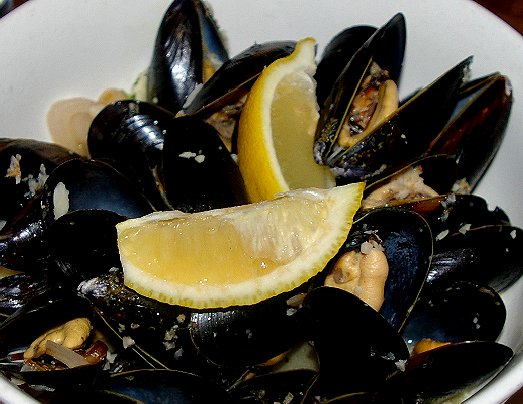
x,y
460,312
475,131
46,310
489,255
450,371
386,47
235,77
404,136
129,135
26,164
180,56
407,242
336,55
356,347
439,172
198,171
246,336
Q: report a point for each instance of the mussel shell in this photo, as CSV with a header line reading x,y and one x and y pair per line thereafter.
x,y
356,347
455,212
129,135
198,171
156,331
23,245
236,76
407,241
246,336
488,255
274,387
476,130
83,243
448,371
404,136
17,289
386,47
460,312
157,334
336,55
160,385
34,156
179,58
93,185
76,377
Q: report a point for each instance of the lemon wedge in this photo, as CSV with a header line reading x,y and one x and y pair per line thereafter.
x,y
277,125
240,255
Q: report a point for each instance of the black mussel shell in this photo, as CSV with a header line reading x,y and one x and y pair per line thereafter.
x,y
449,371
83,243
475,132
23,246
129,135
16,290
197,169
246,336
336,55
488,255
274,387
386,47
405,135
236,76
90,184
26,164
357,348
157,334
76,377
407,241
460,312
179,58
163,386
457,213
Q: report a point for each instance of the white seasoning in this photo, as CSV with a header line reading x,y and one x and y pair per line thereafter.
x,y
465,228
200,158
14,169
127,342
442,235
60,200
187,155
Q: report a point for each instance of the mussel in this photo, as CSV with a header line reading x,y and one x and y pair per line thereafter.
x,y
188,50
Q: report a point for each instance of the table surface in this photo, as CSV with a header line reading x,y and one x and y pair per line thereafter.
x,y
512,12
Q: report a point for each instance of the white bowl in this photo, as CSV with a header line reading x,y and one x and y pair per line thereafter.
x,y
54,49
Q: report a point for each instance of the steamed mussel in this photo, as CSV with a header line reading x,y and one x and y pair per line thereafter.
x,y
159,154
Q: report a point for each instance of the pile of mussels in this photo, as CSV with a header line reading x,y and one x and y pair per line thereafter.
x,y
449,256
